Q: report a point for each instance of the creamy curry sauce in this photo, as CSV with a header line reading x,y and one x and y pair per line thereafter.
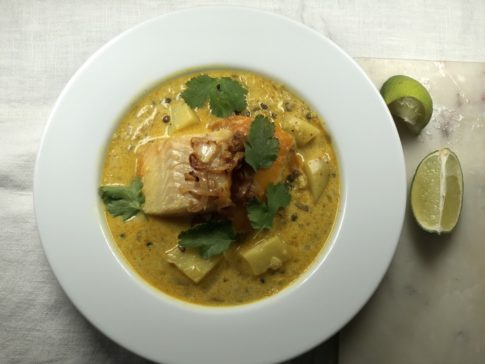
x,y
144,239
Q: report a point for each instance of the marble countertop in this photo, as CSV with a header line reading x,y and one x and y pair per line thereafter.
x,y
429,307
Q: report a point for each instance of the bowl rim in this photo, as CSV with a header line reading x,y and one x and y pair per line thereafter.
x,y
230,311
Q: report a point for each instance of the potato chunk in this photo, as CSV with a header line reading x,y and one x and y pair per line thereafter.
x,y
190,263
181,116
317,172
267,254
302,130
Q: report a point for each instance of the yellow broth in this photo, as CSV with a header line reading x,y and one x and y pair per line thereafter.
x,y
142,240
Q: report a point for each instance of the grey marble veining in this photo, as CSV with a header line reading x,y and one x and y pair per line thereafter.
x,y
430,307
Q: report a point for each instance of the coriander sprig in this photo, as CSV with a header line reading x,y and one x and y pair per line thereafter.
x,y
226,96
211,238
261,147
261,214
124,201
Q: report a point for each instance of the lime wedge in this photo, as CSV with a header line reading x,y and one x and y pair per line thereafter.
x,y
437,191
408,101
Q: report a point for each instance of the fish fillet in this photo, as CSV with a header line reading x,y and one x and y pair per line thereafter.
x,y
165,164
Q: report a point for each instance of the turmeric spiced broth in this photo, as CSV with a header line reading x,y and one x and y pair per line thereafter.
x,y
229,150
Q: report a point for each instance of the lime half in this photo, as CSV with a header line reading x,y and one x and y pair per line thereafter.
x,y
408,101
437,191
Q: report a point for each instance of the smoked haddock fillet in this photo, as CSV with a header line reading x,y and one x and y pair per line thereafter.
x,y
189,173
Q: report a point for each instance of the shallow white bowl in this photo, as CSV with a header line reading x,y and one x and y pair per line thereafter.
x,y
152,324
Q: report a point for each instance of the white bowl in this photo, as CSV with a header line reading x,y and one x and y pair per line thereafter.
x,y
161,328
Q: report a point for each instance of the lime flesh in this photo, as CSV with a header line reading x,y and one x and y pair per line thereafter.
x,y
437,191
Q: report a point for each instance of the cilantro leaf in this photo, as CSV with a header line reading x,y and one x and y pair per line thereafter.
x,y
198,90
261,147
261,214
225,95
278,196
124,201
212,238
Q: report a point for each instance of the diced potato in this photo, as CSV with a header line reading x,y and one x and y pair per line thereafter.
x,y
190,263
267,254
302,130
182,116
317,172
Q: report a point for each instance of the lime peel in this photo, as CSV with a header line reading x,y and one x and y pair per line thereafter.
x,y
408,101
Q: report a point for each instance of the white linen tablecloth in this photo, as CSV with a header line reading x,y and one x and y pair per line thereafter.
x,y
42,43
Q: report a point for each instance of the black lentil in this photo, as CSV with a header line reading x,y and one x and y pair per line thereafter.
x,y
293,175
166,119
288,106
302,206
